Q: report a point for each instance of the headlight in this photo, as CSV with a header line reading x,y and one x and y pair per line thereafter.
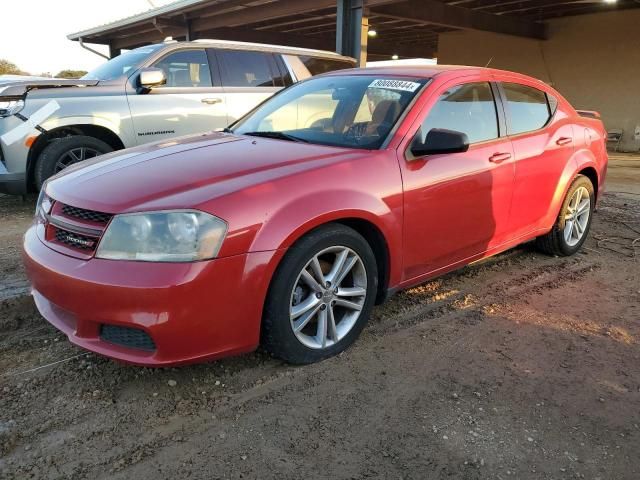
x,y
177,236
11,107
43,205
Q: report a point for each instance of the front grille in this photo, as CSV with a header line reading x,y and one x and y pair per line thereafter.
x,y
75,228
75,240
88,215
127,337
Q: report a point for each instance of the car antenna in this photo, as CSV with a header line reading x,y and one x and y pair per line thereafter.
x,y
490,60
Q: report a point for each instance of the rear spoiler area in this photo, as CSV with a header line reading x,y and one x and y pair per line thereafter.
x,y
15,90
589,114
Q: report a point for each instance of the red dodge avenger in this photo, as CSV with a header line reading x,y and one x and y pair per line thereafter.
x,y
286,229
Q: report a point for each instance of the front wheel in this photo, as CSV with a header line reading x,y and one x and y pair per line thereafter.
x,y
573,223
63,152
321,296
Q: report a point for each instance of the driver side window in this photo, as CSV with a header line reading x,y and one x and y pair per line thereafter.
x,y
469,108
186,69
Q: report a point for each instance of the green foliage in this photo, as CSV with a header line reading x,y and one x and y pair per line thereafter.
x,y
71,74
8,68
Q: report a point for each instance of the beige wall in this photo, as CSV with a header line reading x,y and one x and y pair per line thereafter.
x,y
593,60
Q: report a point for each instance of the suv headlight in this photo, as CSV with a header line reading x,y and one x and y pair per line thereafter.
x,y
11,107
171,236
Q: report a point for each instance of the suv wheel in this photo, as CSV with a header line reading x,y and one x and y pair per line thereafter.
x,y
573,223
321,296
62,152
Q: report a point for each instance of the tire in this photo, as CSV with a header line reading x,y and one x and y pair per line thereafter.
x,y
54,155
556,241
289,293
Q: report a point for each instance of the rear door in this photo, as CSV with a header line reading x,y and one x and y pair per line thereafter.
x,y
457,205
542,139
192,101
248,78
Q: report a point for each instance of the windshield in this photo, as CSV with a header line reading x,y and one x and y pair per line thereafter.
x,y
356,111
122,64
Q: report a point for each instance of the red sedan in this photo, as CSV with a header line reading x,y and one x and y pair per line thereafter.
x,y
287,228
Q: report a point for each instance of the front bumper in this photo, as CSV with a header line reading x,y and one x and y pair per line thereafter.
x,y
192,311
13,183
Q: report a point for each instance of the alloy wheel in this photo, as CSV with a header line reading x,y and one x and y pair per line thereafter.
x,y
75,155
328,297
577,216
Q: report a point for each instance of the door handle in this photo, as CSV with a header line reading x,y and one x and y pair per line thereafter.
x,y
211,101
564,141
499,157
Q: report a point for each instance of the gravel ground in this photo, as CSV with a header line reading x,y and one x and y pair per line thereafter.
x,y
521,366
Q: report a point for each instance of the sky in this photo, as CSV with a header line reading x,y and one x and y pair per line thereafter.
x,y
34,32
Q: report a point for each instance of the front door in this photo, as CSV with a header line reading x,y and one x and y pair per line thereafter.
x,y
457,205
192,101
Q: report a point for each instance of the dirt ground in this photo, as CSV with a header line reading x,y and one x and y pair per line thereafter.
x,y
523,366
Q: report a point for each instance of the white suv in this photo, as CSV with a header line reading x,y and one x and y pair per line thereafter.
x,y
148,94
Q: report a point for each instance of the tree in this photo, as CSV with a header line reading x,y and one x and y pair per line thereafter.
x,y
71,74
8,68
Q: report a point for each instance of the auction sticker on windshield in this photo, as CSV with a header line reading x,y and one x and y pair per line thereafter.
x,y
402,85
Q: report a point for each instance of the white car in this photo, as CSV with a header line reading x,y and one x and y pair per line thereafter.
x,y
148,94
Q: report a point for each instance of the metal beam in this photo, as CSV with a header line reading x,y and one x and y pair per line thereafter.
x,y
351,30
438,13
114,52
163,23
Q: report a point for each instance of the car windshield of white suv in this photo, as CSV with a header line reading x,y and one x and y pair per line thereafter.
x,y
357,111
124,63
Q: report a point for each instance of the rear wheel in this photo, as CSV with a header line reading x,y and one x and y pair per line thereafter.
x,y
63,152
321,296
573,223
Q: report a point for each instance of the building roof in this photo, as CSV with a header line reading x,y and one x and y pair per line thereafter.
x,y
408,28
168,9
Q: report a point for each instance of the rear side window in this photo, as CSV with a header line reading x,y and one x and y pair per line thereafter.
x,y
187,68
317,65
246,69
468,108
528,108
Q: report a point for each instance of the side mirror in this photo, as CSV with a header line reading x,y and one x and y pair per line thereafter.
x,y
152,77
440,140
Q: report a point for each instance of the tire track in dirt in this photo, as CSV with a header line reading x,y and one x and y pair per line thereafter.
x,y
445,307
13,285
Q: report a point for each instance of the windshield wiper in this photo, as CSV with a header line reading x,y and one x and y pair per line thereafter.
x,y
278,136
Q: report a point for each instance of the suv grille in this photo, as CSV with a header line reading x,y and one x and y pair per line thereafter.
x,y
127,337
88,215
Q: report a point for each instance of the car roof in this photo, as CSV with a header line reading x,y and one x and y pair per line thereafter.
x,y
429,71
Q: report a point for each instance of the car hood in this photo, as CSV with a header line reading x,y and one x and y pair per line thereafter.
x,y
13,87
185,172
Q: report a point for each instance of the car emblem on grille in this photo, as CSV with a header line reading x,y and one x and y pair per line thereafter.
x,y
79,241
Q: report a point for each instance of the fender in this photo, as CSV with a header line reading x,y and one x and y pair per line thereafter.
x,y
290,222
581,159
110,122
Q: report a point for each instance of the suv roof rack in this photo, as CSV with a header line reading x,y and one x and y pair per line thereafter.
x,y
265,46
